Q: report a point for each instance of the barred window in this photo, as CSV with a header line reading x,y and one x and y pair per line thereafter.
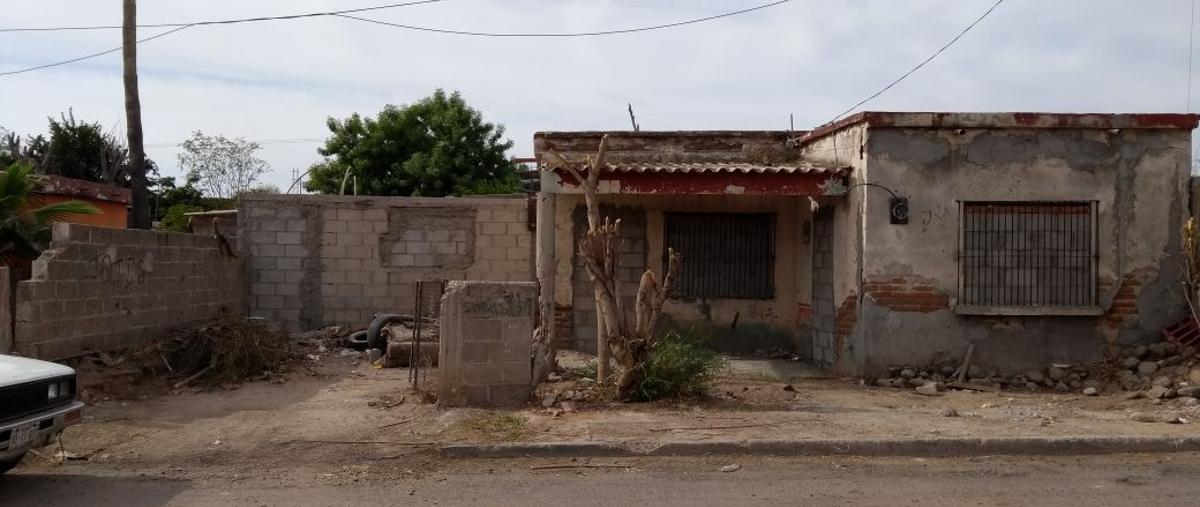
x,y
725,255
1028,255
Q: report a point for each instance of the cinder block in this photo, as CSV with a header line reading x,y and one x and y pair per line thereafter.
x,y
349,239
360,227
517,228
509,395
288,238
350,215
475,352
482,373
493,228
480,330
375,214
297,225
492,253
272,225
516,372
296,251
334,225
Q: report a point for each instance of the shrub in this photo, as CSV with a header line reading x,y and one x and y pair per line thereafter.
x,y
175,220
679,366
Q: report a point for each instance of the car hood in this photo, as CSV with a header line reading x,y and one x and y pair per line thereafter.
x,y
18,370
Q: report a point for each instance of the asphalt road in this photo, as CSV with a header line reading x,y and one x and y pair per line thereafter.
x,y
1159,480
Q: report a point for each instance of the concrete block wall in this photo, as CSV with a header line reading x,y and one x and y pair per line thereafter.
x,y
485,358
322,260
99,288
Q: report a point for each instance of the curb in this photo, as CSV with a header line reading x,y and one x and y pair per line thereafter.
x,y
940,447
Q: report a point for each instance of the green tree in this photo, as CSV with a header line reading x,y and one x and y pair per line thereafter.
x,y
222,167
83,151
24,221
437,146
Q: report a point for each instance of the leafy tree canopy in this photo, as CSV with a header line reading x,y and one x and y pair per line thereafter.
x,y
437,146
74,149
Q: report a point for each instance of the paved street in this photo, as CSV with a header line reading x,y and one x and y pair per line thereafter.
x,y
1159,480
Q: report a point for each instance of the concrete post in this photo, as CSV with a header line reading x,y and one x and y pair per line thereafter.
x,y
7,310
543,360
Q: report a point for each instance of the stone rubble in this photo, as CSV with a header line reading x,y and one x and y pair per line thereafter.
x,y
1160,372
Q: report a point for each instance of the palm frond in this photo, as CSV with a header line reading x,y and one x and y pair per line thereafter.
x,y
59,210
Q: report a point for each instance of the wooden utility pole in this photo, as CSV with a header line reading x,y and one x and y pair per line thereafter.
x,y
133,120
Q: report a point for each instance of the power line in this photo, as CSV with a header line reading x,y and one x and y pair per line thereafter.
x,y
563,34
225,21
397,25
93,55
922,64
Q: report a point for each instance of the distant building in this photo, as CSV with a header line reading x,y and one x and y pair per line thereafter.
x,y
112,201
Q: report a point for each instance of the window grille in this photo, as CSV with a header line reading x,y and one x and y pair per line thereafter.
x,y
1028,254
725,255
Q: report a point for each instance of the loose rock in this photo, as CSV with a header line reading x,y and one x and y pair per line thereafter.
x,y
1055,373
929,389
1131,363
731,468
1147,367
1156,392
1035,376
1189,392
1091,391
908,373
949,412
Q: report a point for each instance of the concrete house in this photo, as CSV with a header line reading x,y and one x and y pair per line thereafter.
x,y
891,238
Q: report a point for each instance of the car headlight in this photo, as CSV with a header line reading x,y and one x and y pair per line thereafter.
x,y
64,388
53,391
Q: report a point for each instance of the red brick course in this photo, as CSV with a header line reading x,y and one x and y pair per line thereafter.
x,y
906,295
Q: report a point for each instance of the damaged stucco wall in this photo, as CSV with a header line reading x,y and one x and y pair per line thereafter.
x,y
846,147
316,260
761,323
1139,179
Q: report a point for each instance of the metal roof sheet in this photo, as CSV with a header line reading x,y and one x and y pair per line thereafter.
x,y
718,167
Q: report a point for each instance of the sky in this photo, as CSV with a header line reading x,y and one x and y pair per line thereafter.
x,y
277,82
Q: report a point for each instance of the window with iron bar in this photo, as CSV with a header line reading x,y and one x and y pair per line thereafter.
x,y
1027,257
725,255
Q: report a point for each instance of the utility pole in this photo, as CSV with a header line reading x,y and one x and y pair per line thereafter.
x,y
133,119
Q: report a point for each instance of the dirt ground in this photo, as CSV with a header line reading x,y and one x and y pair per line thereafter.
x,y
343,416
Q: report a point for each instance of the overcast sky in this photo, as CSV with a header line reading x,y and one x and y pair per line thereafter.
x,y
280,80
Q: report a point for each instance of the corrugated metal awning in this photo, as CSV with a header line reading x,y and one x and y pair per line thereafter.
x,y
716,168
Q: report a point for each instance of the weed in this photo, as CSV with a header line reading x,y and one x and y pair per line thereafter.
x,y
679,366
501,425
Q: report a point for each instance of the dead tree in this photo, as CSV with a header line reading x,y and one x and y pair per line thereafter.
x,y
629,342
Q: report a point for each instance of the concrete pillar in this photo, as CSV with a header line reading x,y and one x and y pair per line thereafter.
x,y
543,360
8,307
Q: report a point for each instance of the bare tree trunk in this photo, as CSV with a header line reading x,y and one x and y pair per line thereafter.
x,y
133,119
630,343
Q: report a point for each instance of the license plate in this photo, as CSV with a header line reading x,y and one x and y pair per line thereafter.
x,y
23,435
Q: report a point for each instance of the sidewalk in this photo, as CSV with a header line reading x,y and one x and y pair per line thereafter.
x,y
345,413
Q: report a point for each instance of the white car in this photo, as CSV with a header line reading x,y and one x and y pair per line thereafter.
x,y
37,401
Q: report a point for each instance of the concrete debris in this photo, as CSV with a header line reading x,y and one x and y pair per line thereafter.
x,y
1138,369
929,389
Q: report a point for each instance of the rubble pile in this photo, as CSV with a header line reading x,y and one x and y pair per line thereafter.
x,y
1161,371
